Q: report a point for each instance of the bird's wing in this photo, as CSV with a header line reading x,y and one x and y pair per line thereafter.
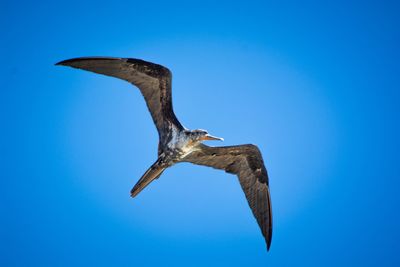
x,y
153,80
246,162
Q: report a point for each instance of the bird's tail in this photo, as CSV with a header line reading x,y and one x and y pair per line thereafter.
x,y
151,174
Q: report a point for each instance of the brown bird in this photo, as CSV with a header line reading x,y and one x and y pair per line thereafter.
x,y
179,144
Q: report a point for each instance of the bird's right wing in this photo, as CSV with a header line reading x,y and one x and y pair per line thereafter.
x,y
153,80
246,162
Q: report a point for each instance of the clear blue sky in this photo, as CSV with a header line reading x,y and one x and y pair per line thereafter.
x,y
315,86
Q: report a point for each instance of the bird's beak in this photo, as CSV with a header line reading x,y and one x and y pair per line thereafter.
x,y
210,137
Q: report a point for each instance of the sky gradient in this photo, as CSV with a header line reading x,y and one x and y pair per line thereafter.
x,y
315,86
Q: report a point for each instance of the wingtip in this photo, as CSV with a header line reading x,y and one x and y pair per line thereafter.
x,y
71,61
63,62
269,239
68,62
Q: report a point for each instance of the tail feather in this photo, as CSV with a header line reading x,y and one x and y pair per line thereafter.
x,y
151,174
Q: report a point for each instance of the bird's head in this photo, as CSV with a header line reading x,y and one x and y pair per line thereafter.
x,y
202,135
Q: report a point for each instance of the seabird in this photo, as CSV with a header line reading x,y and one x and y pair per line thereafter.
x,y
179,144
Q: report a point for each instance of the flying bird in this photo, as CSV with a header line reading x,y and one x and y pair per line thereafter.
x,y
179,144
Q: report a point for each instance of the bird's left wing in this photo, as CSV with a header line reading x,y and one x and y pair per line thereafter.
x,y
246,162
153,81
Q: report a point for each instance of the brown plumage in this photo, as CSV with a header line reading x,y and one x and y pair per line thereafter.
x,y
178,144
246,162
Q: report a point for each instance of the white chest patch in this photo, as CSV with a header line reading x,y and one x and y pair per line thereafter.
x,y
175,140
180,141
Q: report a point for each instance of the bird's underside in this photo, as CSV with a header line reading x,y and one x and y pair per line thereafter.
x,y
178,144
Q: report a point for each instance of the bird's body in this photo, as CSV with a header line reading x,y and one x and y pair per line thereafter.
x,y
178,144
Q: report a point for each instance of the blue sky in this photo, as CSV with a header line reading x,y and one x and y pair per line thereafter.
x,y
314,85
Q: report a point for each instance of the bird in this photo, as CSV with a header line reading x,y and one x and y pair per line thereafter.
x,y
179,144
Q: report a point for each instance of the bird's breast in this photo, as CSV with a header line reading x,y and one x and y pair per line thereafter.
x,y
180,146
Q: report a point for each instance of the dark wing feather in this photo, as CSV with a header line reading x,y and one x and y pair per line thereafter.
x,y
153,80
246,162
